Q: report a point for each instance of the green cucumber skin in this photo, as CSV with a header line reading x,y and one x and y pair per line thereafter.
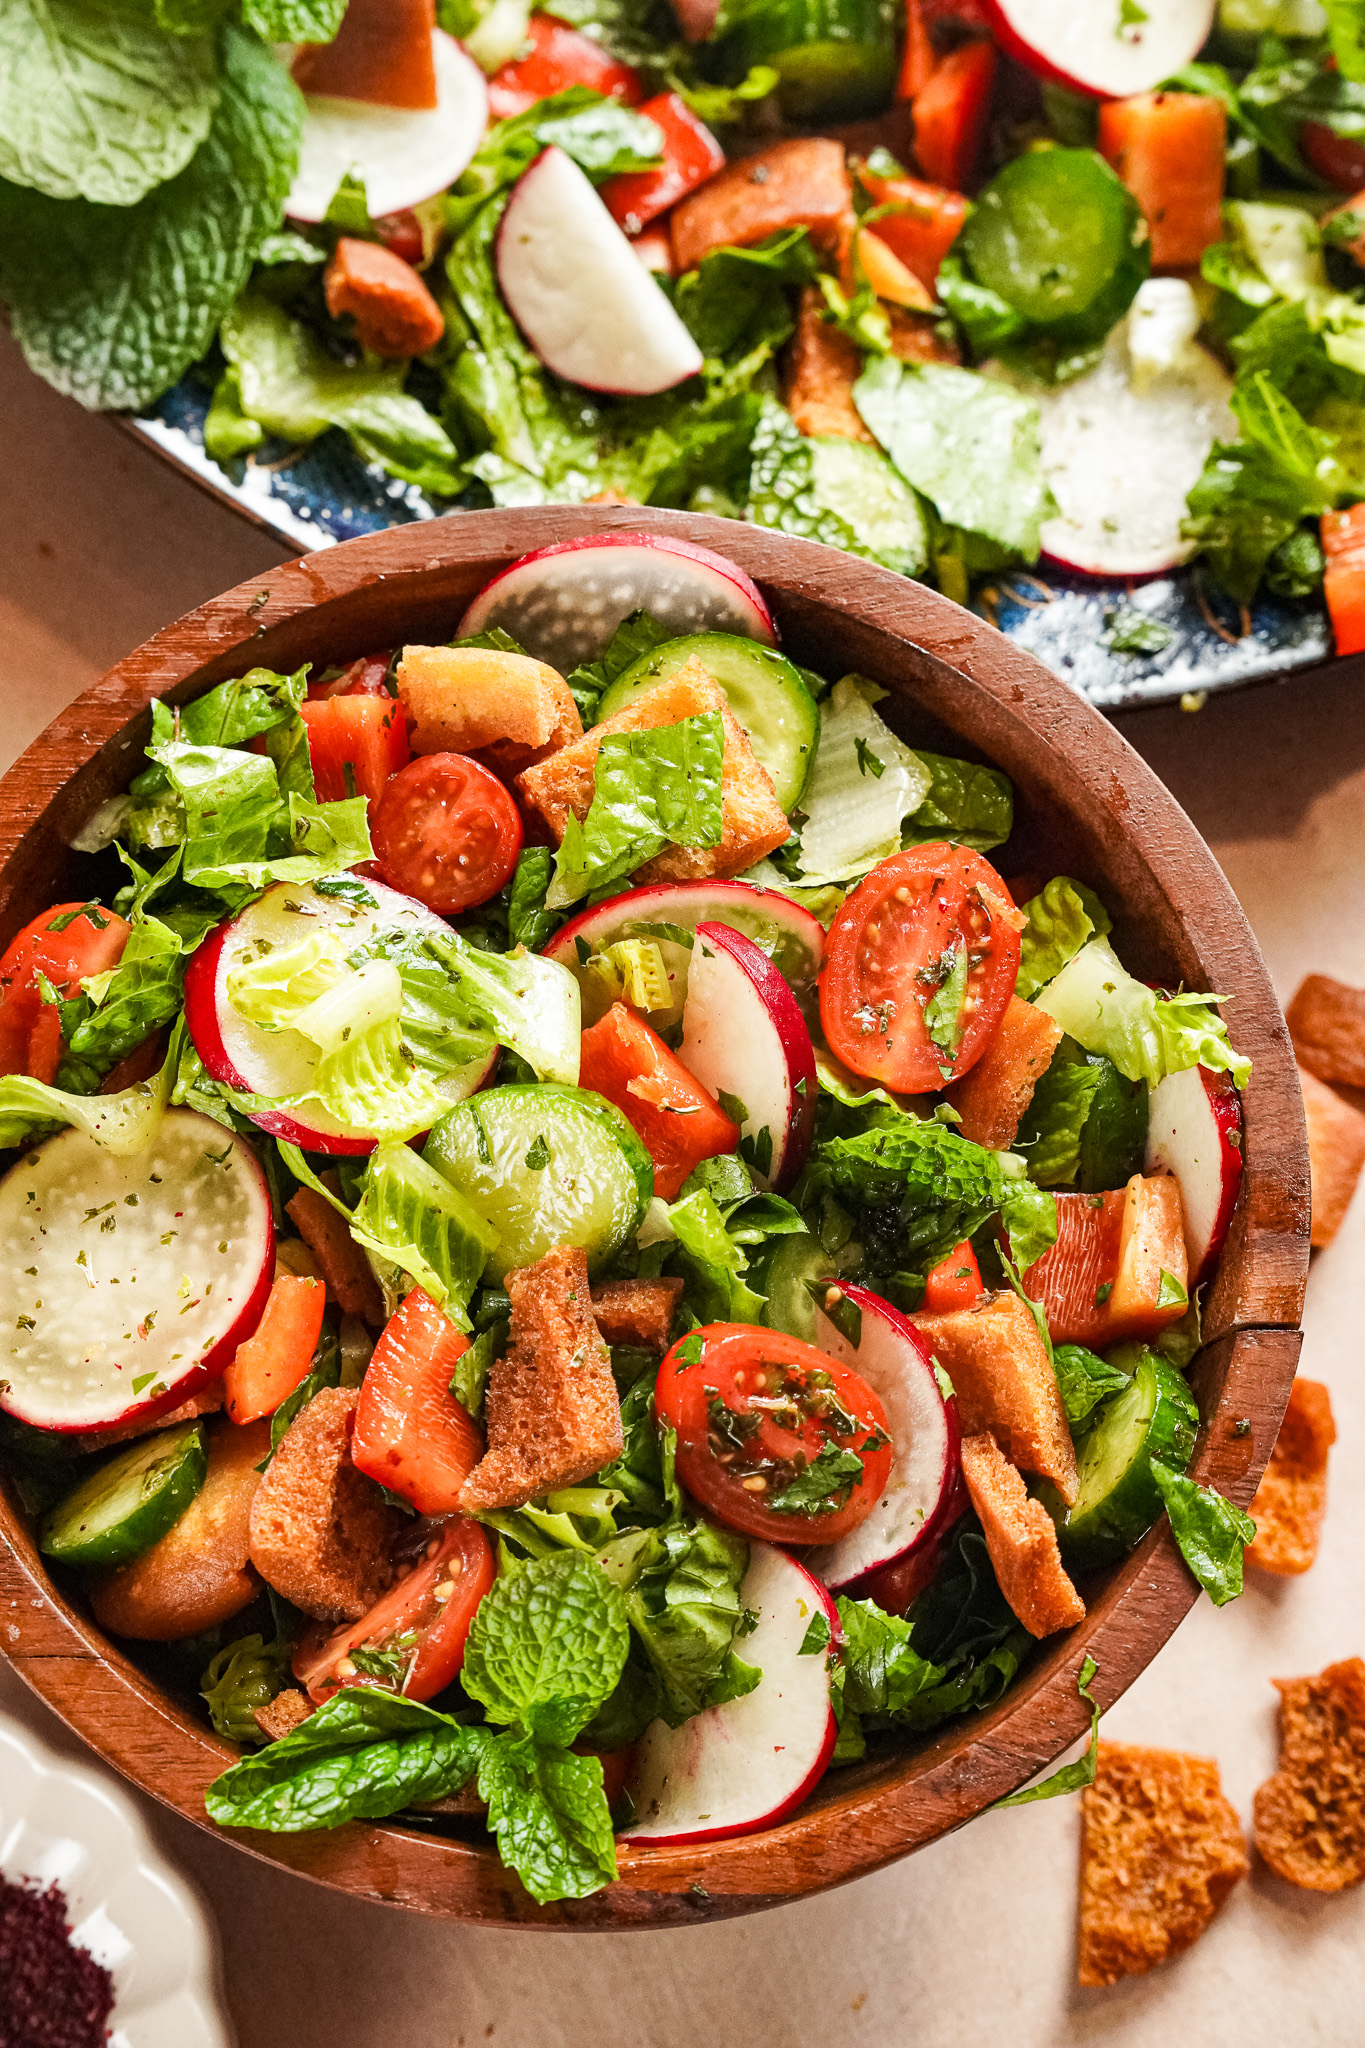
x,y
1113,1511
541,1105
111,1517
766,692
782,1278
835,59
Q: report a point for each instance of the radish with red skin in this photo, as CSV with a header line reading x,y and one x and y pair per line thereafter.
x,y
919,1496
744,1037
402,154
253,1061
1085,46
1194,1131
590,310
789,935
745,1765
133,1277
563,603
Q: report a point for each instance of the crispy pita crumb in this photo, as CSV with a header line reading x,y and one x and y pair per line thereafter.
x,y
1336,1153
506,708
1326,1021
552,1408
993,1096
207,1401
282,1715
803,182
753,822
1292,1496
1005,1384
340,1261
1309,1819
636,1311
822,368
1021,1540
321,1532
918,338
1161,1848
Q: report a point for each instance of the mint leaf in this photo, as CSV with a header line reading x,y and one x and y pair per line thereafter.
x,y
549,1812
362,1755
294,21
110,304
97,104
1072,1777
1211,1532
547,1646
654,787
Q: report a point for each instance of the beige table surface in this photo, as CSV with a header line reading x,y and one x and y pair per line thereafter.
x,y
972,1941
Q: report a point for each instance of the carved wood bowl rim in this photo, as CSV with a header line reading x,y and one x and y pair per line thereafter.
x,y
1176,915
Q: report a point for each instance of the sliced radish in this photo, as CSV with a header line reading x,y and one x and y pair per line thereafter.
x,y
580,295
1119,509
403,155
894,1359
1087,46
1194,1131
132,1278
281,1063
745,1765
669,915
563,603
745,1039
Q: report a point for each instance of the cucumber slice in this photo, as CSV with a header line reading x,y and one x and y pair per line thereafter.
x,y
1117,1499
130,1503
835,59
766,693
783,1276
546,1165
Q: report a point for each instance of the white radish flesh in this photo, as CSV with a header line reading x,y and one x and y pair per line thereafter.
x,y
590,310
403,155
131,1279
744,1038
746,1764
894,1360
563,603
1088,45
1194,1131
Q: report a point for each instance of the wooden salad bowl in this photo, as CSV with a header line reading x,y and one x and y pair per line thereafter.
x,y
1087,804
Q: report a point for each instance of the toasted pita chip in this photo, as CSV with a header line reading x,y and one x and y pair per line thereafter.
x,y
1326,1021
1336,1153
1309,1819
1161,1848
1292,1496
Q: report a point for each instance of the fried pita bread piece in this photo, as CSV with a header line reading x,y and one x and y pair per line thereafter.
x,y
1292,1496
321,1532
1005,1383
1161,1848
282,1715
1326,1021
1309,1819
638,1312
1021,1540
1336,1153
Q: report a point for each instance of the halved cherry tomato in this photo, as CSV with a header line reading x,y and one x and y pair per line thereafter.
x,y
896,945
367,734
955,1282
755,1411
89,941
411,1434
402,232
559,57
412,1641
447,832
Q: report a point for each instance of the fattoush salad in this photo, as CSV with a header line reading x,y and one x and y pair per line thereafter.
x,y
581,1246
1075,281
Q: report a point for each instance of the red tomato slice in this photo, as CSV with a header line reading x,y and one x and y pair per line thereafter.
x,y
367,677
753,1410
896,943
412,1641
411,1434
559,57
90,941
447,832
366,734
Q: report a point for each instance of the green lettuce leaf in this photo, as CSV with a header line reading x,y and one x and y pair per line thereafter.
x,y
1050,1129
1061,917
1146,1035
1073,1777
96,103
864,783
110,304
118,1009
1086,1382
681,1584
294,21
833,490
547,1646
123,1123
1211,1532
636,636
411,1217
968,804
652,788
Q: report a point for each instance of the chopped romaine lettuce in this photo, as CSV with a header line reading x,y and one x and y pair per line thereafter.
x,y
658,786
863,784
1147,1036
410,1217
967,804
1061,917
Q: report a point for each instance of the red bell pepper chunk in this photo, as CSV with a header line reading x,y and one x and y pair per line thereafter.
x,y
402,232
675,1119
1343,543
558,58
926,222
277,1357
368,735
950,114
691,155
918,60
411,1434
955,1282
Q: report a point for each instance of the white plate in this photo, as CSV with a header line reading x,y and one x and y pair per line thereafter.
x,y
61,1824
